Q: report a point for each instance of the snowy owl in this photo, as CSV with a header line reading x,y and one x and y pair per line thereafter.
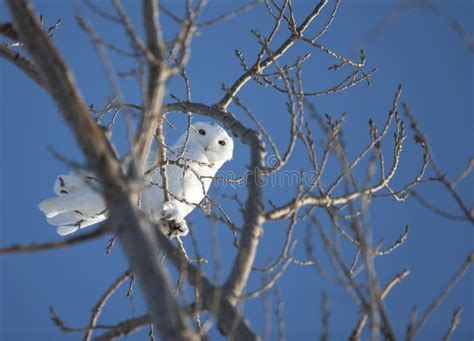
x,y
193,163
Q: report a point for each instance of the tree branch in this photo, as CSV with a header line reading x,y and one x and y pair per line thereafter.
x,y
22,63
253,213
100,231
134,232
441,296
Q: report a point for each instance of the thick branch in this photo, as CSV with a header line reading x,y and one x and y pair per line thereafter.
x,y
22,63
229,321
134,232
157,76
253,213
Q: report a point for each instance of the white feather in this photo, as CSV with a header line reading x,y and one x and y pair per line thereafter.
x,y
68,229
201,153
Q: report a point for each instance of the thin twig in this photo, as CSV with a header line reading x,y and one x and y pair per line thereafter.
x,y
441,296
97,310
35,247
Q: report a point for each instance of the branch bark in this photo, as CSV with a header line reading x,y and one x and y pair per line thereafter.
x,y
253,213
157,76
134,232
258,67
34,247
22,63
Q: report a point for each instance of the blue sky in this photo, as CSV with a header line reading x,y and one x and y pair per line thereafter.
x,y
418,50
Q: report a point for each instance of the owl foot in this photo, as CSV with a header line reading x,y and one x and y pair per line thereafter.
x,y
176,229
172,220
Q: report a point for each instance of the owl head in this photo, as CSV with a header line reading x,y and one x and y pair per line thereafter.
x,y
211,140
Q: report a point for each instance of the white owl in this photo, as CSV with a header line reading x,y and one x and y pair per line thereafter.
x,y
194,161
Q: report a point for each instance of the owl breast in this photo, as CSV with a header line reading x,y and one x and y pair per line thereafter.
x,y
190,185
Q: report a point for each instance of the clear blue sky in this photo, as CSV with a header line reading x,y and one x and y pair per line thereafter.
x,y
418,50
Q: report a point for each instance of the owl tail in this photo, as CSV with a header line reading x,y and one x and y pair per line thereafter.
x,y
77,204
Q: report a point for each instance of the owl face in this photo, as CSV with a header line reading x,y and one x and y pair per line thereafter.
x,y
212,140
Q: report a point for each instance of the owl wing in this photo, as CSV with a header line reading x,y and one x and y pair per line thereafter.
x,y
76,205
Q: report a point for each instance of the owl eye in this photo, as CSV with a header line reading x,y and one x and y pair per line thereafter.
x,y
221,142
202,132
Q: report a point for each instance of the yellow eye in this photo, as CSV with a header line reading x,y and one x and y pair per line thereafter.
x,y
221,142
202,132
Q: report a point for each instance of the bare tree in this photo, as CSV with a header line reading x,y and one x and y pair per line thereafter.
x,y
334,210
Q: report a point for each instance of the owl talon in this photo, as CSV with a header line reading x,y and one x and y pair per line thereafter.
x,y
173,225
175,229
172,220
